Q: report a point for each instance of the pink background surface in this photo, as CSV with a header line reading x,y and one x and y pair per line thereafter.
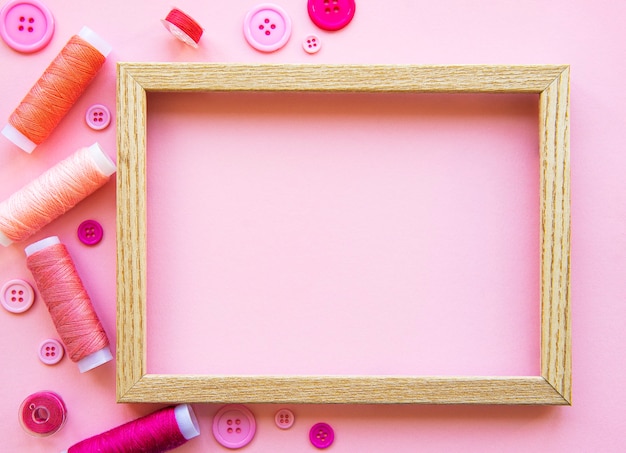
x,y
347,234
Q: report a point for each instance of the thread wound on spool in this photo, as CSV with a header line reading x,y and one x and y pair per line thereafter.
x,y
42,414
56,91
154,433
183,27
67,300
55,192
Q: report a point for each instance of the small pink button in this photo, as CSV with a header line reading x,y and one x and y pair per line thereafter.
x,y
284,419
322,435
234,426
267,27
331,15
98,117
311,44
17,296
90,232
26,26
50,351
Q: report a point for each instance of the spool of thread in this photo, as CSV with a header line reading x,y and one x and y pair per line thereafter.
x,y
183,27
42,414
160,431
57,90
69,304
53,193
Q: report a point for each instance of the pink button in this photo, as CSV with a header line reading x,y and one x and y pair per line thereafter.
x,y
26,26
90,232
50,351
311,44
331,14
267,27
284,419
17,296
234,426
98,117
322,435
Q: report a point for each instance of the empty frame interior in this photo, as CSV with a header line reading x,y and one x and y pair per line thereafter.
x,y
134,384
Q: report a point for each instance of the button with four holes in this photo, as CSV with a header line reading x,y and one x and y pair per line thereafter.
x,y
234,426
26,25
284,419
90,232
331,15
17,296
98,117
321,435
267,27
50,351
311,44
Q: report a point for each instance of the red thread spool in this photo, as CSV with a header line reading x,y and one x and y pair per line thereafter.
x,y
42,414
160,431
183,27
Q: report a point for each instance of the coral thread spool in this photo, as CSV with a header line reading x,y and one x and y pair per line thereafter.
x,y
56,91
183,27
69,304
53,193
160,431
42,414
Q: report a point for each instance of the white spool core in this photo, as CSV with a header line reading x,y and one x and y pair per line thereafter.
x,y
5,241
95,359
101,159
19,139
187,421
96,41
40,245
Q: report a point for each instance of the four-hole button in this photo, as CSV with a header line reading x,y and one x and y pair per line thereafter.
x,y
234,426
26,25
267,27
331,15
17,296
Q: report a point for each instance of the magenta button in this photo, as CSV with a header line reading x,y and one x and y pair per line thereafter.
x,y
234,426
50,352
267,27
331,15
322,435
90,232
17,296
98,117
26,26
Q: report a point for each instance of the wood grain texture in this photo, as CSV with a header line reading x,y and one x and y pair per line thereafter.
x,y
553,387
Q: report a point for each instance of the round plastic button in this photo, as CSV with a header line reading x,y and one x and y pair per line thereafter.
x,y
98,117
234,426
90,232
267,27
17,296
50,351
26,26
322,435
331,15
284,419
311,44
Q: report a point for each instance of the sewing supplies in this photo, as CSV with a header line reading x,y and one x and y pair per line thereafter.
x,y
69,304
267,27
331,15
160,431
26,25
42,414
53,193
17,296
183,27
234,426
57,90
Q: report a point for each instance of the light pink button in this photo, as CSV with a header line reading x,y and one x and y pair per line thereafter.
x,y
267,27
284,419
50,351
311,44
26,25
234,426
98,117
17,296
331,15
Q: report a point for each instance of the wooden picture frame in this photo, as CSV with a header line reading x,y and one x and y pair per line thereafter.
x,y
134,384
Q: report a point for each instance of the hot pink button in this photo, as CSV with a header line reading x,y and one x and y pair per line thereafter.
x,y
90,232
322,435
267,27
331,14
26,26
50,351
234,426
98,117
17,296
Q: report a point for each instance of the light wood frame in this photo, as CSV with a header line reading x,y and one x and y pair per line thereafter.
x,y
134,384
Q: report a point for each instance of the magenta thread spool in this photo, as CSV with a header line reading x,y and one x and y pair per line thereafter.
x,y
42,414
160,431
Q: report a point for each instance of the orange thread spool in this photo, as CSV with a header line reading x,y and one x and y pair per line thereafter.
x,y
57,90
